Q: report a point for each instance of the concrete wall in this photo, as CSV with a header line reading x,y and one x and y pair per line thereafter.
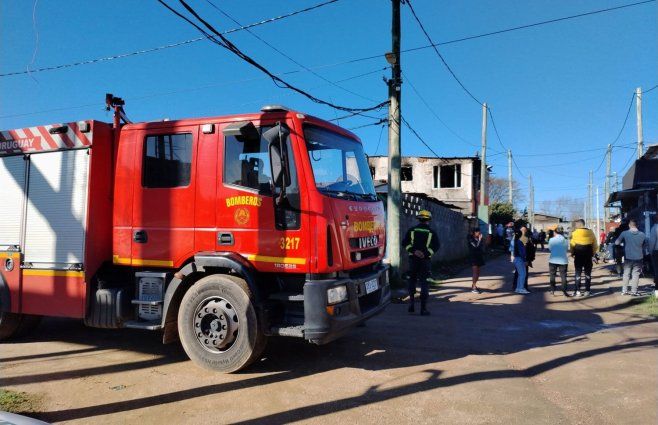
x,y
450,226
423,179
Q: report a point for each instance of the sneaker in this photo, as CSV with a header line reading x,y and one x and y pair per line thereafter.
x,y
635,294
476,291
566,294
583,294
625,293
586,294
577,294
522,291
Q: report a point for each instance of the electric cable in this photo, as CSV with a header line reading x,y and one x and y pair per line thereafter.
x,y
285,55
217,38
433,45
169,46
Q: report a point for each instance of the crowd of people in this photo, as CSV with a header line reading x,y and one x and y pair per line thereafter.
x,y
627,245
630,248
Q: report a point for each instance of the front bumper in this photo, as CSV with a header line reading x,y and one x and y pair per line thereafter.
x,y
321,327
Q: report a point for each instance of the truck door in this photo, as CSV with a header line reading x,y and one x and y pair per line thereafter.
x,y
163,199
268,235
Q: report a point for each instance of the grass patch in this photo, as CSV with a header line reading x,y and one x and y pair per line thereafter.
x,y
648,306
18,402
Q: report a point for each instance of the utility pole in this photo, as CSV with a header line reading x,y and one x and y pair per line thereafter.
x,y
531,204
606,190
638,109
590,198
394,160
510,199
598,216
483,212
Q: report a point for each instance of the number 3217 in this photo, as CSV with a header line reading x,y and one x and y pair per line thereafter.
x,y
289,243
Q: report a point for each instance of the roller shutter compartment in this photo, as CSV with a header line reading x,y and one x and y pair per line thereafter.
x,y
12,199
56,208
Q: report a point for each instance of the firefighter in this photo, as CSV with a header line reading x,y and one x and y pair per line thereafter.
x,y
420,243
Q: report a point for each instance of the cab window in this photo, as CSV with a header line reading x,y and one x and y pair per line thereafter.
x,y
167,160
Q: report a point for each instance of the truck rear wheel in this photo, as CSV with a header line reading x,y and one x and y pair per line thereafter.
x,y
218,324
14,325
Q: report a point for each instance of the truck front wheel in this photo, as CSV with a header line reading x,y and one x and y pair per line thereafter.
x,y
218,324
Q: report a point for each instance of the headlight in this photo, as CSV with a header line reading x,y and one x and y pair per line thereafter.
x,y
336,294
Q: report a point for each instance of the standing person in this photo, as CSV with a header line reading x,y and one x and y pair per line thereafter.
x,y
653,250
500,234
420,243
558,261
520,264
583,247
509,236
635,243
618,250
602,240
529,249
476,249
542,238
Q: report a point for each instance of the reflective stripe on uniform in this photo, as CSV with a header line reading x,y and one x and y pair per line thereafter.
x,y
411,244
429,239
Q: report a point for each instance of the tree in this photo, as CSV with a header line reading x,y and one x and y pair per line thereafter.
x,y
566,207
501,212
498,191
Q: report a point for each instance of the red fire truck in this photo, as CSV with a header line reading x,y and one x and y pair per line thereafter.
x,y
219,231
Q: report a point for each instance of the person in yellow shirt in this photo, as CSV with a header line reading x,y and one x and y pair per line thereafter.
x,y
583,247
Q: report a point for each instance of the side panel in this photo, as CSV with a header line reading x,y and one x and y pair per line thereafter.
x,y
206,192
123,199
56,208
12,194
54,293
10,281
166,214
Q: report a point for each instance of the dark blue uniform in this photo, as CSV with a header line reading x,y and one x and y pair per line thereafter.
x,y
420,238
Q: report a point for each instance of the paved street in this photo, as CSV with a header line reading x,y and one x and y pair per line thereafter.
x,y
491,358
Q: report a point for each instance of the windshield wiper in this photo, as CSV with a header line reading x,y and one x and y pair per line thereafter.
x,y
338,193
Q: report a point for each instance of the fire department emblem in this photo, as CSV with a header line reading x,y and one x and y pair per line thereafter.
x,y
241,216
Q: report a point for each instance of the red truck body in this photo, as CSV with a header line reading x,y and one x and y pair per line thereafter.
x,y
102,214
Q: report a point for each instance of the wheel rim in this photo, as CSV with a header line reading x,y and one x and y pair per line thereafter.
x,y
216,324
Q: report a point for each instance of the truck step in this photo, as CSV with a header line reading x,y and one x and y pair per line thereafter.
x,y
147,302
287,296
293,331
138,324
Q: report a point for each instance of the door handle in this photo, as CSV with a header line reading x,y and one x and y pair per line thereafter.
x,y
140,236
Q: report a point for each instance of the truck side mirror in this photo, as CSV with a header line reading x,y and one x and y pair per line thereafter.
x,y
276,138
276,164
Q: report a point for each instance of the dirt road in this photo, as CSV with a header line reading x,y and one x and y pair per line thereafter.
x,y
495,357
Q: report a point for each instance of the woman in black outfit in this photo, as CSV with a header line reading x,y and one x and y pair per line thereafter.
x,y
476,249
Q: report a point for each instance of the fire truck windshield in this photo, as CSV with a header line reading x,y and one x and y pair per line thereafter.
x,y
339,165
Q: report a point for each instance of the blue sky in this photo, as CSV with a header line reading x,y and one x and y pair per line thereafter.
x,y
553,89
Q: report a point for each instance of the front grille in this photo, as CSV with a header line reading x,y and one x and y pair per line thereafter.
x,y
365,254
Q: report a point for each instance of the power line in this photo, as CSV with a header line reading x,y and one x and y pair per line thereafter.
x,y
378,122
433,45
217,38
186,90
285,55
621,130
350,61
429,108
169,46
418,136
493,123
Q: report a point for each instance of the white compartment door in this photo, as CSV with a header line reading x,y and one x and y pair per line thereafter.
x,y
56,208
12,199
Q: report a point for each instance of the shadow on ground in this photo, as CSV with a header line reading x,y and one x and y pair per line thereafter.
x,y
457,328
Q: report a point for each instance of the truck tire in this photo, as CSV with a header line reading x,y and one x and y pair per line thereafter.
x,y
14,325
218,325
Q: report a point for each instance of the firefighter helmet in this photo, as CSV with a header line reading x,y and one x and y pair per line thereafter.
x,y
424,215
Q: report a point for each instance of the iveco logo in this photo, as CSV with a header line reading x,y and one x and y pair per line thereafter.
x,y
362,208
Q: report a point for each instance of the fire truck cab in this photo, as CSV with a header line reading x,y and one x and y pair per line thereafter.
x,y
219,231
